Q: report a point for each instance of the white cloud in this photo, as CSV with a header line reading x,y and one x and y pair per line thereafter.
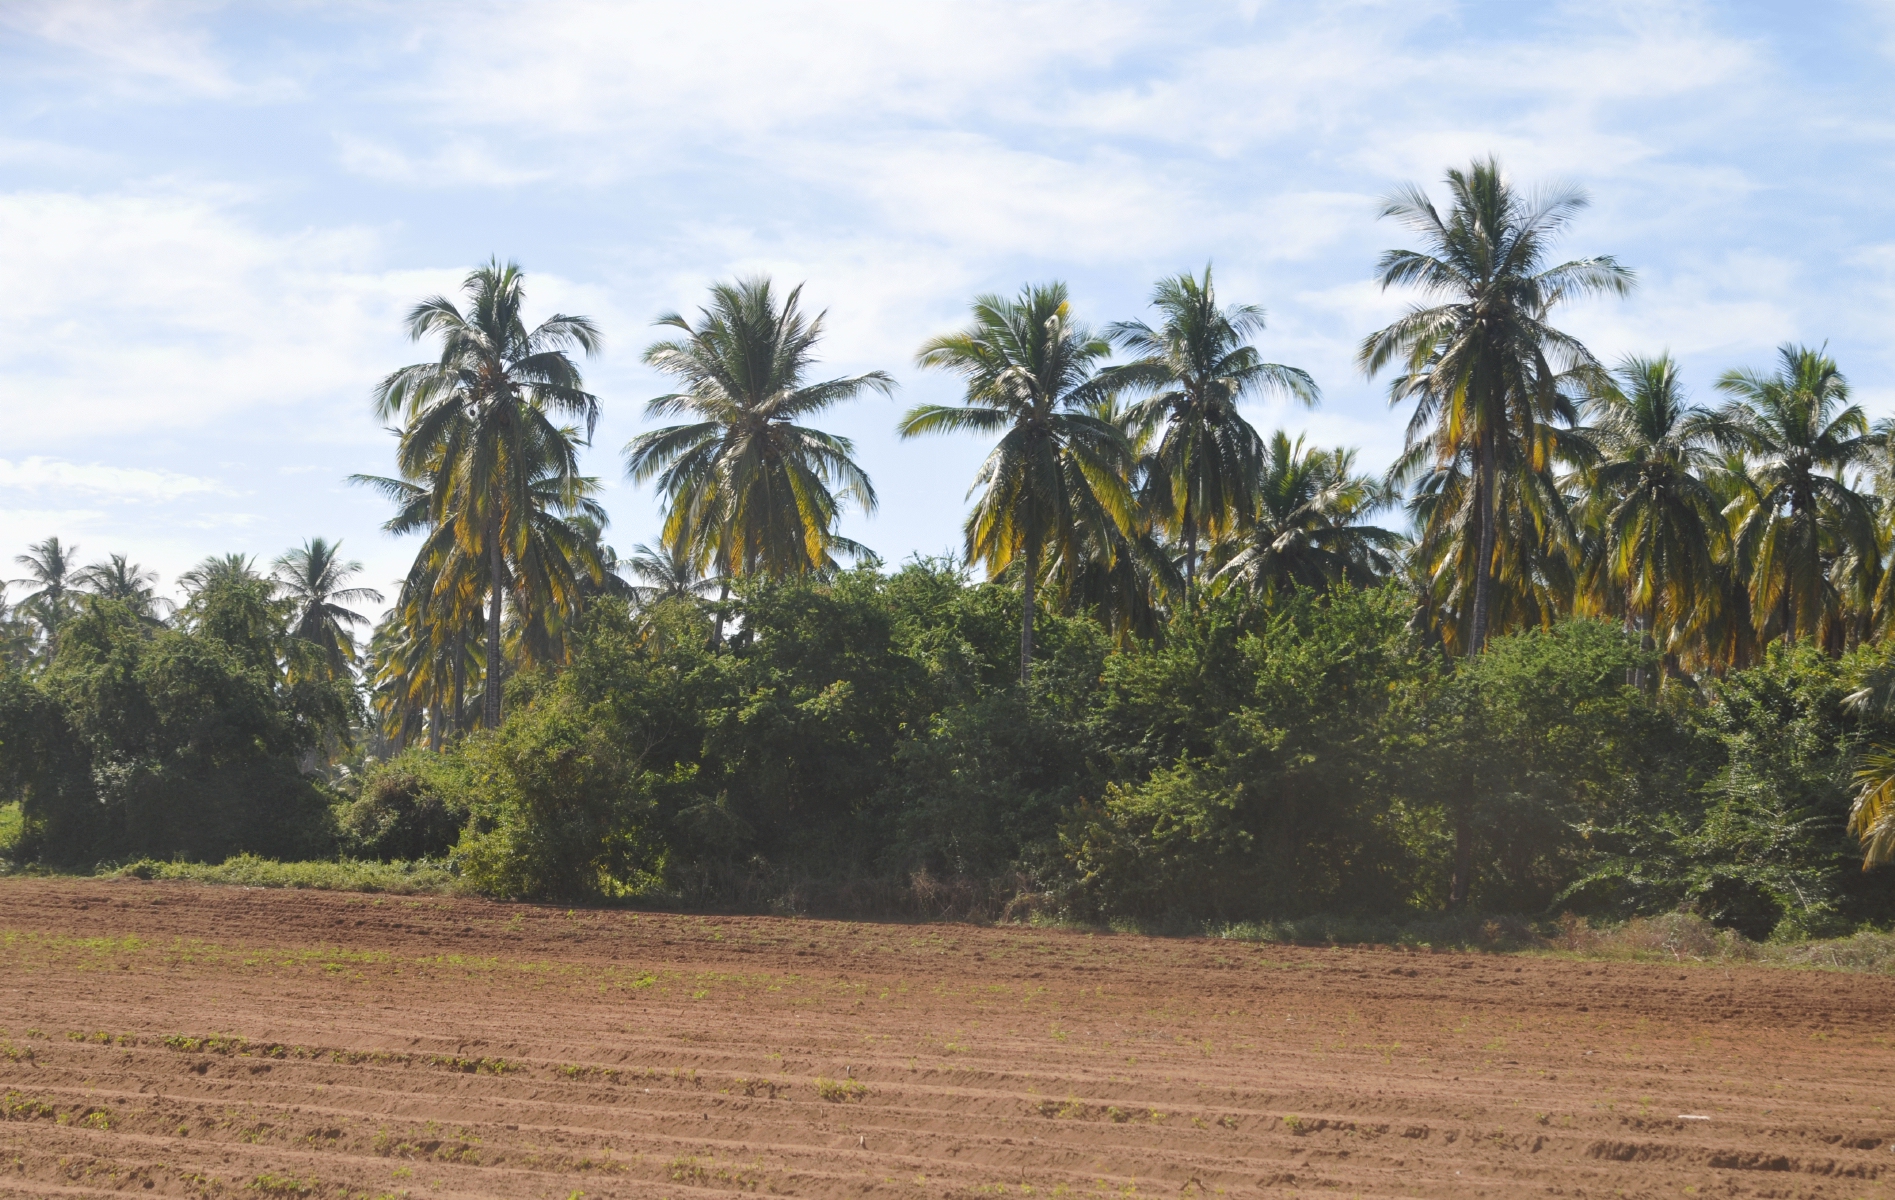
x,y
37,474
145,44
164,309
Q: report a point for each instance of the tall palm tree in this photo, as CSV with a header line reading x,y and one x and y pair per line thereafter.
x,y
1659,521
1799,433
1484,365
117,578
1195,368
1307,528
480,423
51,572
313,577
747,488
1057,477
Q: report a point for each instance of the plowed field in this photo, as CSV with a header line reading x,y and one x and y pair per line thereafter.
x,y
166,1039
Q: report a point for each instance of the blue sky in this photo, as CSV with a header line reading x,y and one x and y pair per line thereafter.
x,y
213,217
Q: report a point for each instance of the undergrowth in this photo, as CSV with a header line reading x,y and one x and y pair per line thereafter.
x,y
343,875
1672,937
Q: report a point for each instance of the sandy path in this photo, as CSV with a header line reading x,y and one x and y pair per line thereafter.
x,y
170,1039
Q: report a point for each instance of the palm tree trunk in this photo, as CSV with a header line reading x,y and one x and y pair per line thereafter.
x,y
1027,585
1461,882
491,698
1633,677
1649,643
1190,550
1484,562
460,681
723,597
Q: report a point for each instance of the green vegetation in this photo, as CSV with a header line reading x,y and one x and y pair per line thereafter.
x,y
1630,661
353,875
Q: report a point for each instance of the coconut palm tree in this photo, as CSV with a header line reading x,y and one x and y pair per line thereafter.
x,y
50,571
480,425
1484,365
1057,477
1800,433
1125,576
117,578
666,572
1659,522
1194,370
1307,528
747,488
313,577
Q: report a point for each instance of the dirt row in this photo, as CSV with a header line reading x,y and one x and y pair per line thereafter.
x,y
173,1040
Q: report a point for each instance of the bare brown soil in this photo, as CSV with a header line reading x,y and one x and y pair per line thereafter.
x,y
170,1039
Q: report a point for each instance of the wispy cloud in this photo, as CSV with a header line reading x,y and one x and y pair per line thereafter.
x,y
41,474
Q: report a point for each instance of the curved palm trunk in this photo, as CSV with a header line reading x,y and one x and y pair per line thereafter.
x,y
1484,563
491,697
1026,612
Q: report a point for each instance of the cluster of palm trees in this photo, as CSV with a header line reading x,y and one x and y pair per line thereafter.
x,y
309,584
1536,480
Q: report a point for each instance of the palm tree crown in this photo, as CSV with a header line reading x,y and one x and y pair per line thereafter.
x,y
51,573
1056,479
1307,528
1196,367
313,577
746,485
219,568
1800,433
117,578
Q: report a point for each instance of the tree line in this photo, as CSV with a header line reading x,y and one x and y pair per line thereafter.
x,y
1541,492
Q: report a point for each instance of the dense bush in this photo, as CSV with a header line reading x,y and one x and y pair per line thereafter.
x,y
863,744
141,740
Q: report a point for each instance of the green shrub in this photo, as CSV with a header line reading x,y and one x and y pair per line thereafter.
x,y
559,809
412,807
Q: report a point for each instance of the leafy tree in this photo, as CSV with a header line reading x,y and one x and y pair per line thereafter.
x,y
1485,366
480,427
142,740
1800,434
1196,367
1057,477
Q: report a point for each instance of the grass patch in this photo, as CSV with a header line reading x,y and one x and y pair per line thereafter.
x,y
344,875
1672,937
841,1091
12,822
